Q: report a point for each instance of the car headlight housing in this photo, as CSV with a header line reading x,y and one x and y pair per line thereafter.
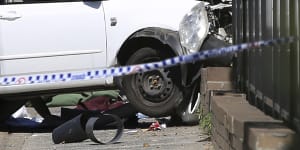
x,y
194,28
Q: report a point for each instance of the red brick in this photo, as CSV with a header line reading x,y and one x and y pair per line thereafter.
x,y
215,78
216,146
204,105
220,128
237,120
236,113
219,74
236,142
217,103
221,142
219,85
203,81
270,138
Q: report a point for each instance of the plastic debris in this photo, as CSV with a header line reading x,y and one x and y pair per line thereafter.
x,y
21,113
37,119
154,126
163,125
22,119
131,132
141,116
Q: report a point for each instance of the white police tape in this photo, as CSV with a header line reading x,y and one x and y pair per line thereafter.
x,y
127,70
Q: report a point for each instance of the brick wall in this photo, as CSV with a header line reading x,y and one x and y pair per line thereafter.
x,y
236,124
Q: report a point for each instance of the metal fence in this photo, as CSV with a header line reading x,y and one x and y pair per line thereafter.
x,y
269,76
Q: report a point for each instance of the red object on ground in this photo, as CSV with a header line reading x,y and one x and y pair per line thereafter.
x,y
100,103
154,126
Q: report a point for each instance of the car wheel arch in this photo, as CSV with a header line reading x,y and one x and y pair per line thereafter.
x,y
151,37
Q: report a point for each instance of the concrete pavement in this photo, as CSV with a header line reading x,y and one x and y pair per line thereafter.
x,y
171,138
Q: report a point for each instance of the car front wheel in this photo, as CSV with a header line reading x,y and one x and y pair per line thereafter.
x,y
155,93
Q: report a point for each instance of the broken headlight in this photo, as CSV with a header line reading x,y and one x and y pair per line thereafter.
x,y
194,28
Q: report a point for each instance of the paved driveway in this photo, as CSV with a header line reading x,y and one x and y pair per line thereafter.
x,y
170,138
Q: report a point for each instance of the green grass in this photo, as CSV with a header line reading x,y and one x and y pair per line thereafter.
x,y
205,121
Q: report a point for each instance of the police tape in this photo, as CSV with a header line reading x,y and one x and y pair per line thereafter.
x,y
139,68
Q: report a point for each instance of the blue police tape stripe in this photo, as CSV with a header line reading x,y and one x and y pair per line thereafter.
x,y
127,70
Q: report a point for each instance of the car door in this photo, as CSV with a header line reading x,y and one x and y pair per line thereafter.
x,y
51,36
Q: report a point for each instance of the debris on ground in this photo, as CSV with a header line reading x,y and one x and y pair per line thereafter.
x,y
82,127
154,126
131,132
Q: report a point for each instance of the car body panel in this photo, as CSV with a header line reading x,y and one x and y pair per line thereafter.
x,y
76,37
142,14
52,37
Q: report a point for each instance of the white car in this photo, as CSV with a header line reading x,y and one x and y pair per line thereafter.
x,y
42,42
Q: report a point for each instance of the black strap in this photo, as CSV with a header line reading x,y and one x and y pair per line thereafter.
x,y
89,128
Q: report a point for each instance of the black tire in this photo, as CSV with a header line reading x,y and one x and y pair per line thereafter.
x,y
154,93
